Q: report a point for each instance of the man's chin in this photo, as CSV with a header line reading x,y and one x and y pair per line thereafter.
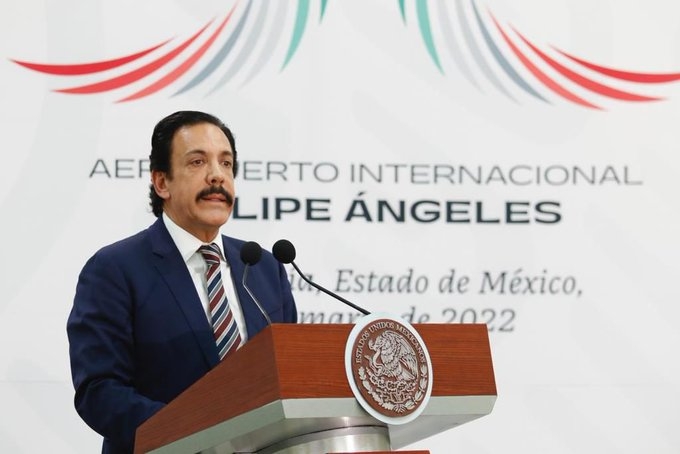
x,y
217,216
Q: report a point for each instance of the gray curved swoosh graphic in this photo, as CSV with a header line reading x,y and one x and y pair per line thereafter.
x,y
502,61
219,57
476,53
452,44
275,32
248,46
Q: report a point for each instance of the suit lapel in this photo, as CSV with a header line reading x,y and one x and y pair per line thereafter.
x,y
170,264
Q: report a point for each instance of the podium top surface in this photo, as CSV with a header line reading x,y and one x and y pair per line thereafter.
x,y
306,361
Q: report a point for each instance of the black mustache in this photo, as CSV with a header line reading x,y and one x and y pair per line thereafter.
x,y
216,190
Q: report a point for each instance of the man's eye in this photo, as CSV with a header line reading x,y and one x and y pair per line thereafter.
x,y
227,163
196,162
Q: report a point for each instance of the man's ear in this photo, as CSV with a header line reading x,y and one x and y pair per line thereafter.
x,y
159,180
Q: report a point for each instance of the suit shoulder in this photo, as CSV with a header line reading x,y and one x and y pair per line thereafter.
x,y
132,244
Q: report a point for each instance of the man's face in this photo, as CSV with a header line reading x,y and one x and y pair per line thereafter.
x,y
198,194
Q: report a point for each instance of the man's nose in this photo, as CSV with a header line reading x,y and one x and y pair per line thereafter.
x,y
216,173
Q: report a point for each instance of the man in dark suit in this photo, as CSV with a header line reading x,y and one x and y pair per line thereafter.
x,y
143,326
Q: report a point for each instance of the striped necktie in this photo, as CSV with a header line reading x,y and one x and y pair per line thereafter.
x,y
227,336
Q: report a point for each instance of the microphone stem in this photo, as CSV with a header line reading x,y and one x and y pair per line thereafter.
x,y
245,275
318,287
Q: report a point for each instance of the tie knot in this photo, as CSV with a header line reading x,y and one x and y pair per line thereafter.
x,y
210,253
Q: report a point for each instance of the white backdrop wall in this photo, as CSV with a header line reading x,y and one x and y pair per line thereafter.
x,y
524,205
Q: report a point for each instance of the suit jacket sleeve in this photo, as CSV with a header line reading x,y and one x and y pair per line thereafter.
x,y
101,338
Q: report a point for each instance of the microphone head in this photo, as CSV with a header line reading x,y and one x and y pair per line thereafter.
x,y
284,251
251,252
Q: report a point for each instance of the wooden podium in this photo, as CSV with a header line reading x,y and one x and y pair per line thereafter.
x,y
286,391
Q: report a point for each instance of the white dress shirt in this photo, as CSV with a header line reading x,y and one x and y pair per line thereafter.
x,y
188,245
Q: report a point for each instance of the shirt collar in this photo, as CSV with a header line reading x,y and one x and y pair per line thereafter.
x,y
186,243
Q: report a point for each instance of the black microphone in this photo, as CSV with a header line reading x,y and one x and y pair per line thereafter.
x,y
251,252
284,252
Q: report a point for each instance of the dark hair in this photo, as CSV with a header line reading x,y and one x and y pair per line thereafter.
x,y
161,145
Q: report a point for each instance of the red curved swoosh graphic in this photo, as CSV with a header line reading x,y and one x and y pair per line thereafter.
x,y
133,76
644,78
181,69
540,75
585,82
89,67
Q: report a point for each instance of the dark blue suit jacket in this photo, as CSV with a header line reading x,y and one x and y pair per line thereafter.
x,y
138,332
